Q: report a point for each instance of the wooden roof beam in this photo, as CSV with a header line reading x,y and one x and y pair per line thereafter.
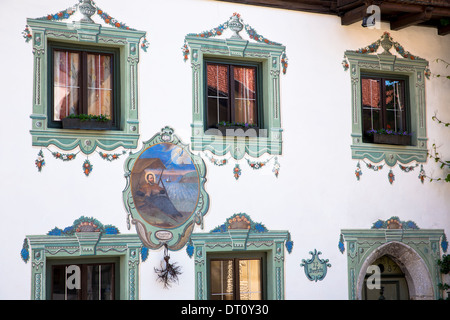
x,y
411,19
354,15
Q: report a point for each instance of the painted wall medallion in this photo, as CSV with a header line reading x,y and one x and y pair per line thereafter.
x,y
315,268
165,193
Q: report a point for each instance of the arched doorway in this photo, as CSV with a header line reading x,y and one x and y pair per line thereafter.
x,y
412,268
392,284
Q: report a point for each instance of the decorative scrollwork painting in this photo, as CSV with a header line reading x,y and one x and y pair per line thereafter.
x,y
315,268
165,193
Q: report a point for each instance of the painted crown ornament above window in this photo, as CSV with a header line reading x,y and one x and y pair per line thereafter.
x,y
87,8
236,25
85,83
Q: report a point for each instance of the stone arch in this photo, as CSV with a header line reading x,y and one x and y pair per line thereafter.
x,y
418,278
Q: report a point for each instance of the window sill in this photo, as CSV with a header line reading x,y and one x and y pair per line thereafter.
x,y
87,140
238,145
235,131
78,124
391,154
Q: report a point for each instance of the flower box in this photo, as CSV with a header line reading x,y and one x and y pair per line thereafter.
x,y
86,124
395,139
240,131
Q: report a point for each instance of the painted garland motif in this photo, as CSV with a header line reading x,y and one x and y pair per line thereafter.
x,y
67,13
87,166
254,164
110,156
387,42
252,33
391,175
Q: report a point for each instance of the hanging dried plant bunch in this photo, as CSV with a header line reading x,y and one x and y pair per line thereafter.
x,y
168,273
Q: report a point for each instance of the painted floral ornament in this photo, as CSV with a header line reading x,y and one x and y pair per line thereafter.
x,y
276,167
422,174
358,172
110,156
236,24
391,177
40,162
64,156
87,167
87,8
236,171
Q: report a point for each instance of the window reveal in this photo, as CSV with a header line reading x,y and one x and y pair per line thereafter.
x,y
236,279
383,104
231,94
82,84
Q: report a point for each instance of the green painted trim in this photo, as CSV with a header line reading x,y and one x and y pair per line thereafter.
x,y
414,71
85,246
239,51
241,241
97,37
360,243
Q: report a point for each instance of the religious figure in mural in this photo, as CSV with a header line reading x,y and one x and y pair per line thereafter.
x,y
156,196
165,185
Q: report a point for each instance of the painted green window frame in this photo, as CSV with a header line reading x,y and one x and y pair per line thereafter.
x,y
241,242
96,36
84,247
238,51
414,69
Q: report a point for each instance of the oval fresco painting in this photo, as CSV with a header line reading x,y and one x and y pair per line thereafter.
x,y
165,185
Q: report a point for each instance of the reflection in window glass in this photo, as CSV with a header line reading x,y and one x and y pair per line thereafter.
x,y
250,280
66,69
222,280
236,279
96,282
231,94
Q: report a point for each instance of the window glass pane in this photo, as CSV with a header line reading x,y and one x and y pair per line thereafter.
x,y
222,279
371,104
395,107
245,94
218,94
92,282
107,282
250,284
100,84
59,288
66,71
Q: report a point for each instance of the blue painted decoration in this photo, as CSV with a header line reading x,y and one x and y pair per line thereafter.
x,y
315,268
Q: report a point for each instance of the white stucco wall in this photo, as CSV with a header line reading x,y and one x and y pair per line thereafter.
x,y
316,194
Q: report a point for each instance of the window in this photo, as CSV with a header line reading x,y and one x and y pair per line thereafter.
x,y
236,278
83,82
239,260
387,94
231,94
384,105
88,255
84,68
97,281
235,81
